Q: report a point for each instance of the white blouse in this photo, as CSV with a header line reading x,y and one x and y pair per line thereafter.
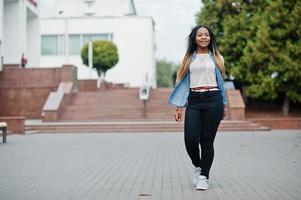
x,y
202,72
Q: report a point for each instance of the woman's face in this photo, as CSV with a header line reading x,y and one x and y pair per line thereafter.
x,y
202,37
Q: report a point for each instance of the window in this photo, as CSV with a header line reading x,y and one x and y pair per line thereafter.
x,y
61,44
74,44
49,45
52,45
55,44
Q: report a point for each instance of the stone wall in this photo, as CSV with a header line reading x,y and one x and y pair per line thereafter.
x,y
23,91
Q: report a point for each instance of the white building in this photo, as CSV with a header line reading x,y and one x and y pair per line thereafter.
x,y
113,20
19,32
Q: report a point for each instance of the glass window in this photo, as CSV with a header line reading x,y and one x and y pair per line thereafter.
x,y
49,45
61,45
55,44
74,44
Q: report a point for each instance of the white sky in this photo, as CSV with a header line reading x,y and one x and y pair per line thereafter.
x,y
174,20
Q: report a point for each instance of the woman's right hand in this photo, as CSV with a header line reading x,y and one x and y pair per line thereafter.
x,y
178,115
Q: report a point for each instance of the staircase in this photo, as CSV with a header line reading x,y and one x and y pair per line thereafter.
x,y
117,105
147,126
120,110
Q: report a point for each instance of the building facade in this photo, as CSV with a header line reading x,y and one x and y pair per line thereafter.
x,y
76,22
19,32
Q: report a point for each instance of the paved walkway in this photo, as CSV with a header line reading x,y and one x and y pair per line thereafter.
x,y
249,165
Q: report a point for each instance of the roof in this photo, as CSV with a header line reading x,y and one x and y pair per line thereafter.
x,y
100,7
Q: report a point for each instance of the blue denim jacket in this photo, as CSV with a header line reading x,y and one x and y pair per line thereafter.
x,y
181,91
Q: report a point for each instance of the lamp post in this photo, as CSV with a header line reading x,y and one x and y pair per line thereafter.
x,y
66,38
90,57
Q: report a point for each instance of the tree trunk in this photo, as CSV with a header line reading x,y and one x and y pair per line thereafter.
x,y
98,82
103,80
99,72
285,106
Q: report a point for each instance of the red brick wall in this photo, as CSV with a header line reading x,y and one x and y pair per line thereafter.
x,y
14,124
23,91
87,85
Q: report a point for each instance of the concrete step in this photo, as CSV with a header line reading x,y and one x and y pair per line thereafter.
x,y
130,126
116,116
30,130
106,110
121,110
110,106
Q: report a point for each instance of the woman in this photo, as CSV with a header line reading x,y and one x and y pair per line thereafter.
x,y
200,87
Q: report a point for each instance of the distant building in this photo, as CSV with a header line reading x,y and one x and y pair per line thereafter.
x,y
113,20
19,32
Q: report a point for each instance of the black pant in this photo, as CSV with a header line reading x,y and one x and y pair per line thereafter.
x,y
202,118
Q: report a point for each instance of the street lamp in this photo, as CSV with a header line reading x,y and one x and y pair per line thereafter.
x,y
66,38
90,57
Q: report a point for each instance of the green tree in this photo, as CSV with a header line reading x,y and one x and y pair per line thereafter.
x,y
165,71
239,28
272,56
211,14
105,56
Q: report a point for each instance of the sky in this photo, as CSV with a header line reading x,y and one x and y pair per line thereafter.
x,y
173,19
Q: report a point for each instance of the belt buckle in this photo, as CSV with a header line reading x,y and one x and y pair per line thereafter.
x,y
203,90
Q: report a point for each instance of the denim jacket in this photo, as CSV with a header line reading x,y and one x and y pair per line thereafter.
x,y
181,91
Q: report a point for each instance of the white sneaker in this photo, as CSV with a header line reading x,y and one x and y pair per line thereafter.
x,y
202,183
195,177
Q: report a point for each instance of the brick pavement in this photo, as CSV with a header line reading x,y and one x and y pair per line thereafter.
x,y
133,166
